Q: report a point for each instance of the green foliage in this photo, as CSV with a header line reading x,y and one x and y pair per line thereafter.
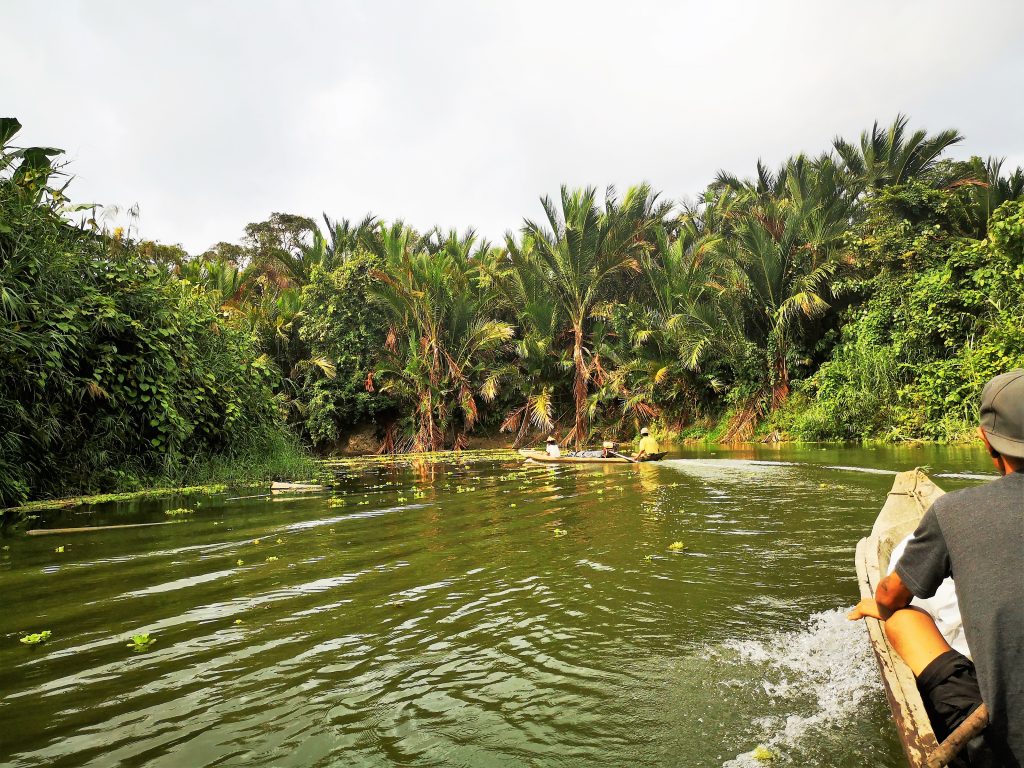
x,y
110,367
36,638
141,642
343,325
916,354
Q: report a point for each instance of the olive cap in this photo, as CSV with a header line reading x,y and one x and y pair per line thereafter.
x,y
1002,413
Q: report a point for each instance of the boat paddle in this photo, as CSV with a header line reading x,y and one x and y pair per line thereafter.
x,y
975,723
627,458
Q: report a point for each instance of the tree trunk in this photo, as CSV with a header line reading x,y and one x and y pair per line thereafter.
x,y
780,391
579,388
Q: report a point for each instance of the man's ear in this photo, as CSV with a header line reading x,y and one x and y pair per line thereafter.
x,y
988,446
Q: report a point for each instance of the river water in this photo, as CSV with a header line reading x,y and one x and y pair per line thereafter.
x,y
476,612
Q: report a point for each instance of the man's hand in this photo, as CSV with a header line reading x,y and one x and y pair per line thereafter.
x,y
865,608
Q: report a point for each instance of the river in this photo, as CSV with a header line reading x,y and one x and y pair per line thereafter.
x,y
470,612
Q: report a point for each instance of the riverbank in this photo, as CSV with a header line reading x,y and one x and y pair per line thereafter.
x,y
278,459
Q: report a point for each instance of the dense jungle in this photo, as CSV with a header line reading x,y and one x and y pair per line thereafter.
x,y
864,293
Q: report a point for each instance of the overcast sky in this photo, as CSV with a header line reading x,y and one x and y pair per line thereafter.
x,y
211,115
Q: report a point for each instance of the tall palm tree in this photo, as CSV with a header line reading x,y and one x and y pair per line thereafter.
x,y
786,252
583,248
888,156
541,361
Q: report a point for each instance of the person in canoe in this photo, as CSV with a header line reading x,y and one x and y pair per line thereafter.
x,y
607,452
648,446
551,446
978,535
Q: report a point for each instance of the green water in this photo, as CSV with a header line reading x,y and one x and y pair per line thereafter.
x,y
437,616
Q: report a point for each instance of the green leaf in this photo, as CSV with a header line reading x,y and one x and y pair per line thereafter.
x,y
9,126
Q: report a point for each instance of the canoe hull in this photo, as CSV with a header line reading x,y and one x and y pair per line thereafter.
x,y
542,456
911,495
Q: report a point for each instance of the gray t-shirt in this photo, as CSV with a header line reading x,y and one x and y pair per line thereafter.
x,y
977,536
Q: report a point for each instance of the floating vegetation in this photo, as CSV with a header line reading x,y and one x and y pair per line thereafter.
x,y
37,638
104,498
179,511
271,559
762,753
336,503
59,550
141,642
676,546
648,558
255,541
560,532
280,540
238,621
240,561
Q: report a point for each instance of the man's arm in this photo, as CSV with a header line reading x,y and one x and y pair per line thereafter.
x,y
891,595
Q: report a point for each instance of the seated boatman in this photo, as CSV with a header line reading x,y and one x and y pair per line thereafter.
x,y
551,447
976,535
648,446
604,453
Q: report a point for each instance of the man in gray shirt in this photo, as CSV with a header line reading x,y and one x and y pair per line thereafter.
x,y
976,536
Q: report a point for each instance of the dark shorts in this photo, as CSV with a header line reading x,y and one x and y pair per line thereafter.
x,y
949,687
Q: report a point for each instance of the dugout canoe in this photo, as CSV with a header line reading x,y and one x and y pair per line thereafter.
x,y
542,456
911,495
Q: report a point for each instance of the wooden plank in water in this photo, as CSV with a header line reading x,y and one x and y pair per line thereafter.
x,y
89,528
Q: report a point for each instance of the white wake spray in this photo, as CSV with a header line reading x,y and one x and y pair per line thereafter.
x,y
825,669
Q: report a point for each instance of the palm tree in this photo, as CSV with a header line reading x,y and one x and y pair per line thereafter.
x,y
786,252
442,338
583,249
986,189
540,361
889,156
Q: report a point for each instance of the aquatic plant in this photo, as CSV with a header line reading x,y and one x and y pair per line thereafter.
x,y
178,512
271,559
762,753
560,532
59,550
36,638
676,546
240,562
141,642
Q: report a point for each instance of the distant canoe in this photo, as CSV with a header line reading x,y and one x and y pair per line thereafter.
x,y
911,495
542,456
296,488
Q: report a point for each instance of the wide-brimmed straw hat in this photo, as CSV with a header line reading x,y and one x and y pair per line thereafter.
x,y
550,440
607,444
1002,413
